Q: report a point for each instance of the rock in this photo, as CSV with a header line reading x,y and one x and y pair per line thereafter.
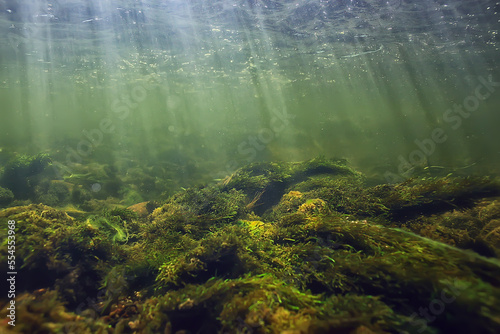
x,y
141,209
6,196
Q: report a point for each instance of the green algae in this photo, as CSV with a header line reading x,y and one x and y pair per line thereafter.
x,y
6,196
330,255
21,174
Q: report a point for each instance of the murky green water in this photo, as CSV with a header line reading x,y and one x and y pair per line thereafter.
x,y
192,90
234,166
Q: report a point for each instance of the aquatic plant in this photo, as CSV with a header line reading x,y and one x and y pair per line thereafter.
x,y
114,223
44,312
433,195
64,254
6,196
111,227
215,255
266,183
331,255
20,173
262,303
211,204
52,193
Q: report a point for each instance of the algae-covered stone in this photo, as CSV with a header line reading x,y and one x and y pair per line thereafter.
x,y
20,174
52,193
61,252
275,248
6,196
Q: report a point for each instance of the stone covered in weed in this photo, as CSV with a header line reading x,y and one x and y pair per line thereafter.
x,y
274,248
6,196
64,254
21,174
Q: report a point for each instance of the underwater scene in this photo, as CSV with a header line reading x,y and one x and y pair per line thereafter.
x,y
249,166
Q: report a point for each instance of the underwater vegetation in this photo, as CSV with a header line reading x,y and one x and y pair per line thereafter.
x,y
305,247
20,175
6,196
91,187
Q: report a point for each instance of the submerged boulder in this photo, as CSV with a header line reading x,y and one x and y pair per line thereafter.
x,y
6,196
20,174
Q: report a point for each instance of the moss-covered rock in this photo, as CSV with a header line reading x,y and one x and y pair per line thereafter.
x,y
45,312
64,254
6,196
52,193
20,174
274,248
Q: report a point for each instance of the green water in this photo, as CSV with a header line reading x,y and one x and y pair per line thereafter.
x,y
189,91
203,166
